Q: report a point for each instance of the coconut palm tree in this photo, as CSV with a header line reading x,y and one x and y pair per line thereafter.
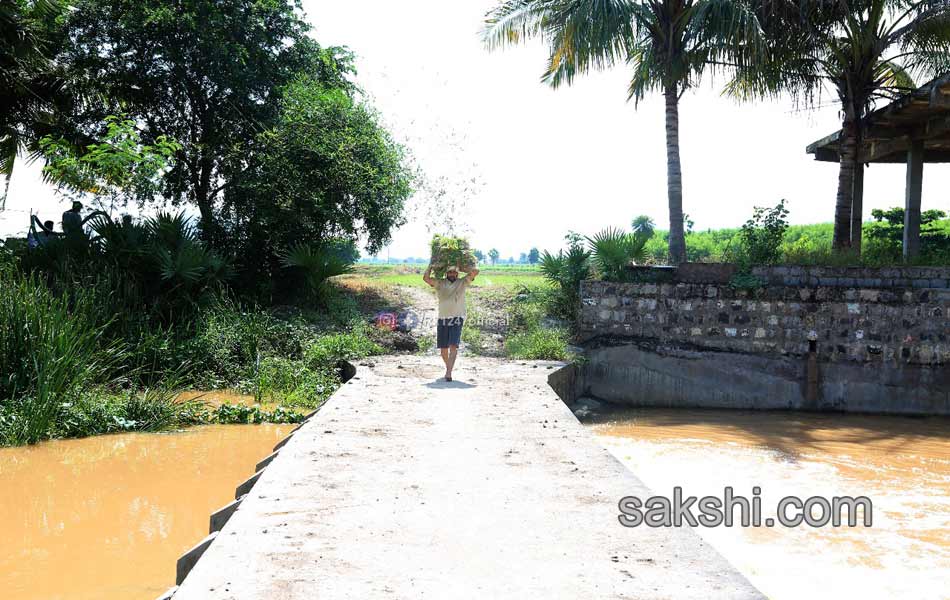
x,y
667,44
864,50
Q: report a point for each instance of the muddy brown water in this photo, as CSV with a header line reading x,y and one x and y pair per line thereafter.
x,y
902,464
106,518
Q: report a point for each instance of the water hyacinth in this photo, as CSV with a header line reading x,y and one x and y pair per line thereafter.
x,y
448,251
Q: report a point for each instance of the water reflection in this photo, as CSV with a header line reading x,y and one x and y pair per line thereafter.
x,y
902,464
107,517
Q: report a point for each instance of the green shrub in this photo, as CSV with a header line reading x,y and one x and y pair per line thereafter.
x,y
229,414
328,350
50,353
100,411
293,383
539,344
231,339
760,238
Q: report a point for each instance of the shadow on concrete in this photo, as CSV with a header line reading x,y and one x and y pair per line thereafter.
x,y
441,384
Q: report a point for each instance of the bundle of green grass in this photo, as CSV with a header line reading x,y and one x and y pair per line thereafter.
x,y
448,251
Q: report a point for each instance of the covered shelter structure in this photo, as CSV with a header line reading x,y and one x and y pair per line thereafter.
x,y
914,129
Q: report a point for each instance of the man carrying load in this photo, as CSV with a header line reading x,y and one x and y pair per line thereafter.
x,y
451,294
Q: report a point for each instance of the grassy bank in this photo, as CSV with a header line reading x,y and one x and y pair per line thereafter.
x,y
75,363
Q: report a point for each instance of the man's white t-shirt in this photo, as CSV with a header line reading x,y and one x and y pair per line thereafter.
x,y
451,296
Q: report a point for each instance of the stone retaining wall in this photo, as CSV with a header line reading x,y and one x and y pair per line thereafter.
x,y
872,325
837,345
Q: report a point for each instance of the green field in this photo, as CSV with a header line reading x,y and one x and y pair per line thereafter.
x,y
411,275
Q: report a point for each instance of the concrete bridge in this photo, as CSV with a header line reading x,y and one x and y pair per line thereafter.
x,y
403,486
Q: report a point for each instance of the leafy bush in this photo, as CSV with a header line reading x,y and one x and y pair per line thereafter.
x,y
328,350
98,412
230,414
885,236
760,238
231,338
293,383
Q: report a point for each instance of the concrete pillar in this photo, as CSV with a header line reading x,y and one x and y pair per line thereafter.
x,y
915,179
857,207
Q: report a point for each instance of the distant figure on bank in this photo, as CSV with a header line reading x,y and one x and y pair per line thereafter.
x,y
74,224
40,233
451,294
72,220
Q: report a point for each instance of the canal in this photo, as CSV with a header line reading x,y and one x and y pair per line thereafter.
x,y
902,464
106,518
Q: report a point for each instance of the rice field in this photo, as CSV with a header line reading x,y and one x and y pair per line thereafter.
x,y
411,275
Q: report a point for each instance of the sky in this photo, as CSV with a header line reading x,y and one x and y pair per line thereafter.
x,y
523,164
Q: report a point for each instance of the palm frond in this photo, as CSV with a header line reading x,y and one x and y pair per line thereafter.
x,y
515,21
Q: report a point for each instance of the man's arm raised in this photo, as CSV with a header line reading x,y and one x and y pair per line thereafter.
x,y
427,276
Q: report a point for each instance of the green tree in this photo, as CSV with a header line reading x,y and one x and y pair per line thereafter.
x,y
668,45
493,255
479,255
206,73
534,256
117,170
326,171
865,51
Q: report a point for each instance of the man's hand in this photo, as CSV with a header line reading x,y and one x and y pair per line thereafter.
x,y
471,275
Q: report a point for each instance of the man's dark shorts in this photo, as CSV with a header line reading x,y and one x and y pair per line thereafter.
x,y
448,332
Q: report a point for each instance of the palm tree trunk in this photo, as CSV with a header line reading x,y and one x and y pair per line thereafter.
x,y
857,207
6,191
674,176
846,166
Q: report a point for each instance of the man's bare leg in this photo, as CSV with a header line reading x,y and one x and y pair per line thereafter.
x,y
450,363
445,358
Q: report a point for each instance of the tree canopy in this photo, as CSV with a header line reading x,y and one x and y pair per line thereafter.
x,y
206,73
327,169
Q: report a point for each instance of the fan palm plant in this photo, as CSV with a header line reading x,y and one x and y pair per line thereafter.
x,y
667,44
614,250
566,270
318,263
864,50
